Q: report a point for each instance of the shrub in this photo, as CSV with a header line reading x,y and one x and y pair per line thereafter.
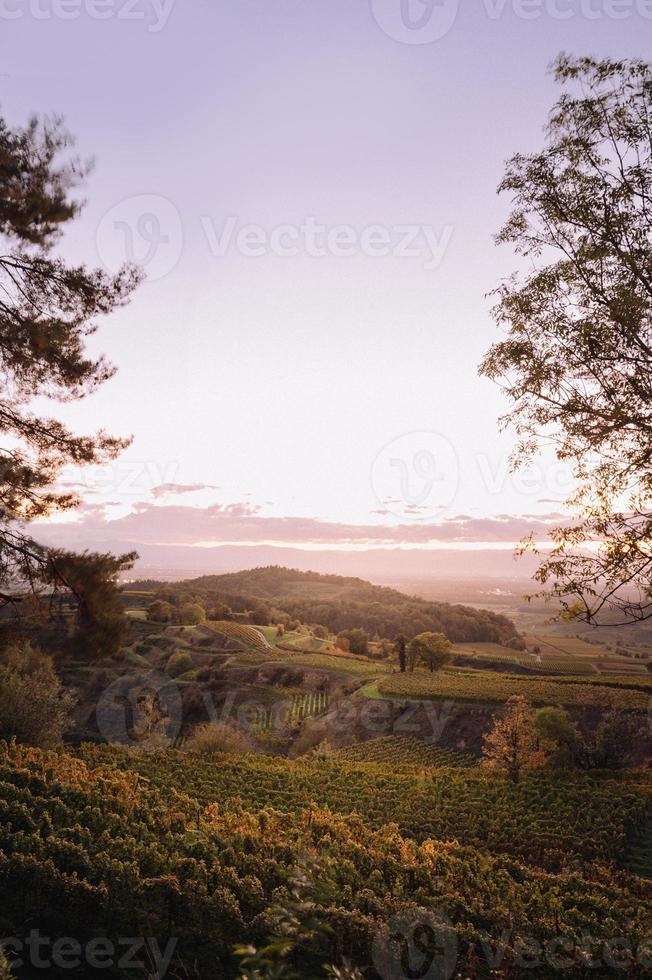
x,y
612,741
324,750
358,640
558,735
34,709
214,737
178,663
192,614
5,973
159,611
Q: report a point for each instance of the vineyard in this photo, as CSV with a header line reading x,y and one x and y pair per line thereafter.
x,y
300,641
553,655
203,851
216,849
486,654
340,662
496,688
546,819
248,636
170,846
560,665
400,750
305,705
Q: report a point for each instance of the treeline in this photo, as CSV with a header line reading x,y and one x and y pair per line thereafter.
x,y
341,603
459,623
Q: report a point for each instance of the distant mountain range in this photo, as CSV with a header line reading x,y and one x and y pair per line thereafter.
x,y
383,564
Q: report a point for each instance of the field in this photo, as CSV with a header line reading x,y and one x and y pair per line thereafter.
x,y
488,687
551,654
400,751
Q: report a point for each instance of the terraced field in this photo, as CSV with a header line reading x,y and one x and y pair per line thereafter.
x,y
248,636
340,663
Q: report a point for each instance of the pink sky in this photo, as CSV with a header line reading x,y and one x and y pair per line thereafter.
x,y
312,191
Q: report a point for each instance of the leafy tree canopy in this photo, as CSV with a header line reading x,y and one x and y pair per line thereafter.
x,y
576,360
48,309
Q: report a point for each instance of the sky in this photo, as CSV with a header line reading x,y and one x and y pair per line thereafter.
x,y
311,190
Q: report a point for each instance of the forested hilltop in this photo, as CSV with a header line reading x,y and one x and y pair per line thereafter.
x,y
338,603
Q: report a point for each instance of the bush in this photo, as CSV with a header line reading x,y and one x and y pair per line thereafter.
x,y
516,643
192,614
358,640
34,709
178,663
613,740
558,735
159,611
5,973
214,737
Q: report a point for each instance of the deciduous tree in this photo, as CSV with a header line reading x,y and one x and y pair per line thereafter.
x,y
576,362
433,649
511,746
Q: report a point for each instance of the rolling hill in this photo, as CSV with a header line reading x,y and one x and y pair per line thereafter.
x,y
340,602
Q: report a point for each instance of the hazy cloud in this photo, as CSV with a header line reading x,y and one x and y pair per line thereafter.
x,y
165,488
174,524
